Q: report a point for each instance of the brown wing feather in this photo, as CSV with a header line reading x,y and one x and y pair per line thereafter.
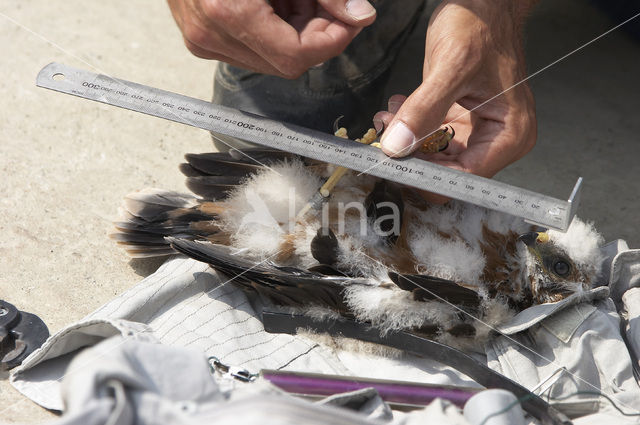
x,y
287,286
151,216
425,288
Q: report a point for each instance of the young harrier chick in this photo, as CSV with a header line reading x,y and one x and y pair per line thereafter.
x,y
376,252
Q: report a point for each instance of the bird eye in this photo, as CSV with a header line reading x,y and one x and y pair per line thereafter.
x,y
561,268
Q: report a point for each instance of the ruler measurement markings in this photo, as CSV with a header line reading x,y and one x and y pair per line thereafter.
x,y
339,150
532,206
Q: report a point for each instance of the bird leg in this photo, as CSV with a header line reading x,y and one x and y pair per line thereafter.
x,y
320,197
315,203
435,142
370,137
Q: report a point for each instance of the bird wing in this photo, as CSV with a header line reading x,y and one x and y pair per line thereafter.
x,y
294,287
426,288
287,286
213,175
430,288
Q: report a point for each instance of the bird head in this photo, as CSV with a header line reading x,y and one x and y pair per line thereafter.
x,y
562,264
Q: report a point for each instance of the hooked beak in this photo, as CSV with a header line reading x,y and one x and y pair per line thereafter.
x,y
529,239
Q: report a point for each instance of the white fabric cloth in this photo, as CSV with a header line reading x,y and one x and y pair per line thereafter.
x,y
140,381
186,306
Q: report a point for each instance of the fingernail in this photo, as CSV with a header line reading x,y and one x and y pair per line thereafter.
x,y
398,140
360,9
378,124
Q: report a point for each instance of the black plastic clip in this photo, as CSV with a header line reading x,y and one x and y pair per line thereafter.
x,y
20,335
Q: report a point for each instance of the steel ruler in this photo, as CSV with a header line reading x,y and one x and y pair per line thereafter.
x,y
533,207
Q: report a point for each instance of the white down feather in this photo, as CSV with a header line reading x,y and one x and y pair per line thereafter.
x,y
263,210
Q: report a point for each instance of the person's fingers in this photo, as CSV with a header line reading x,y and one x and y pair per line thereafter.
x,y
313,37
488,153
290,52
216,46
359,13
257,64
381,120
283,8
395,102
453,57
206,39
419,115
486,146
177,10
300,13
252,33
236,30
320,40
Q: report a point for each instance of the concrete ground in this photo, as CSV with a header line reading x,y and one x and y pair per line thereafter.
x,y
67,162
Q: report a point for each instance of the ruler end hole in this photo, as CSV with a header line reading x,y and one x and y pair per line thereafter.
x,y
58,77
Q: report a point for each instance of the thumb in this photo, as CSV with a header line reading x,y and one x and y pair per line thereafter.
x,y
419,116
359,13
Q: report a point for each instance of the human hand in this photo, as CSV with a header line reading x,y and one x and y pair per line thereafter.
x,y
473,55
280,37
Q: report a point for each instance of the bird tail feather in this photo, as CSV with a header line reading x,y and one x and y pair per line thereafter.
x,y
149,215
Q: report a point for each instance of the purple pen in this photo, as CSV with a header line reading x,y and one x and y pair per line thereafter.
x,y
393,392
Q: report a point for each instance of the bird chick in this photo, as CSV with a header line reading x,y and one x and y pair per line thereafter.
x,y
375,252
